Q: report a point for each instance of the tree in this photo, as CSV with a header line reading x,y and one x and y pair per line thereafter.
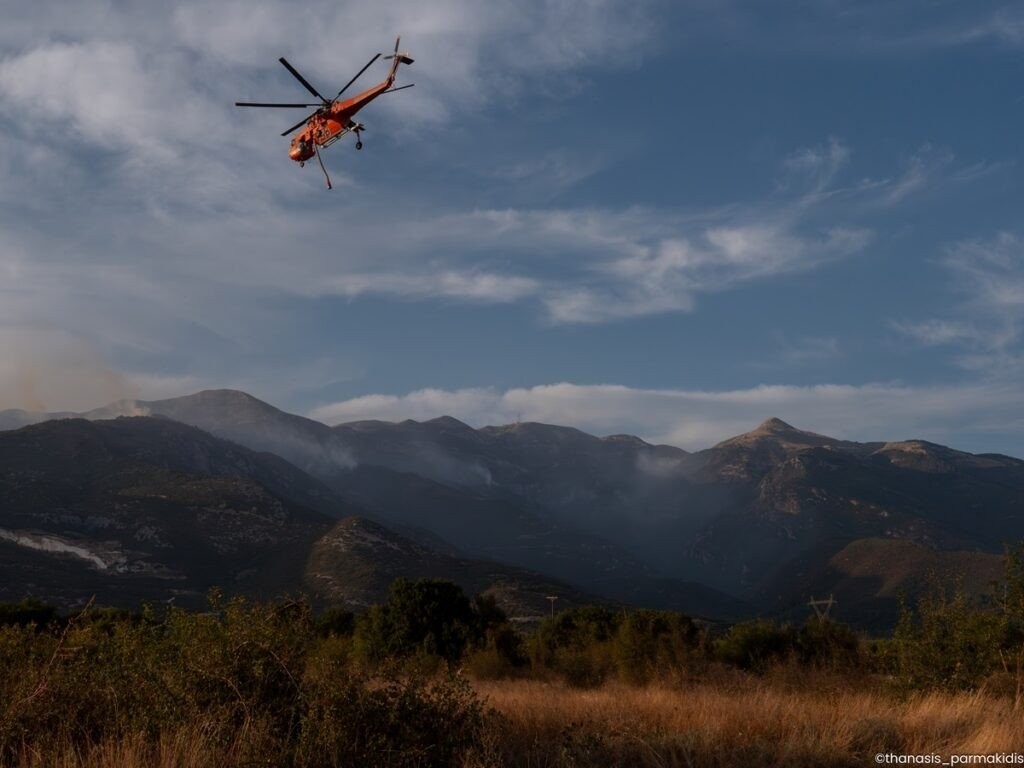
x,y
1011,602
27,611
429,616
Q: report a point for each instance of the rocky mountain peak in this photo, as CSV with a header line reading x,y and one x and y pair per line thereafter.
x,y
227,399
774,431
775,426
449,424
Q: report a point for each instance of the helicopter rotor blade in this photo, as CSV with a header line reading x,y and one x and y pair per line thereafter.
x,y
263,104
299,124
301,79
360,72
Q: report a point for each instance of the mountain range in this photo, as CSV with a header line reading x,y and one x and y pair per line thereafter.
x,y
755,524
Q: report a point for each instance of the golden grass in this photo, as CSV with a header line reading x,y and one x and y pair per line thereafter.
x,y
185,749
734,721
757,723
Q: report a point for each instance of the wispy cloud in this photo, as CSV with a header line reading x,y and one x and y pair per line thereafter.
x,y
470,286
986,326
599,265
1003,25
159,202
808,349
852,27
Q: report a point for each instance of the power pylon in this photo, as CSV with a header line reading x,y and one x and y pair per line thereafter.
x,y
822,608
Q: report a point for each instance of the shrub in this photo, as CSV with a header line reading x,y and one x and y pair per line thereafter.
x,y
500,656
429,619
826,643
756,645
335,621
27,611
393,721
651,641
428,616
257,679
947,643
586,645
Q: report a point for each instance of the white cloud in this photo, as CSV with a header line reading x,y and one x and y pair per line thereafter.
x,y
593,265
937,332
1005,25
113,95
695,419
151,85
909,27
597,265
808,349
924,167
469,286
154,200
818,166
987,325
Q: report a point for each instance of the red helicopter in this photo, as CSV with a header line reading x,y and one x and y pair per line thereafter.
x,y
333,118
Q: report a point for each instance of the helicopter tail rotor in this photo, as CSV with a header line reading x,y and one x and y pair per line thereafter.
x,y
399,58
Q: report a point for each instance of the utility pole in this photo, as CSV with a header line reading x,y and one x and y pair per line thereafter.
x,y
552,599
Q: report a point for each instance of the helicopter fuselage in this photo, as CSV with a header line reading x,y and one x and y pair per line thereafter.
x,y
332,122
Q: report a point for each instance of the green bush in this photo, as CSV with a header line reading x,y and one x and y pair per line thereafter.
x,y
424,619
947,642
260,679
501,655
27,611
395,721
826,643
756,645
335,621
589,644
649,642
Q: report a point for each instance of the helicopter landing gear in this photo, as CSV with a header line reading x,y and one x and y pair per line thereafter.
x,y
357,129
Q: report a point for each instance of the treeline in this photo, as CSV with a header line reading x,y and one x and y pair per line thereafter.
x,y
389,686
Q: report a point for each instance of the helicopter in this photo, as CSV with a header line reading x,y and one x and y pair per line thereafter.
x,y
333,118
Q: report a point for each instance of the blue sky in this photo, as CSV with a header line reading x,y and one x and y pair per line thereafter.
x,y
670,219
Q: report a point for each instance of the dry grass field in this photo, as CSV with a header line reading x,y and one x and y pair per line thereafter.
x,y
749,722
253,684
746,721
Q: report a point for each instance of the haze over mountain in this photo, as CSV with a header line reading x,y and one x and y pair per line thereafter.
x,y
429,480
763,517
141,508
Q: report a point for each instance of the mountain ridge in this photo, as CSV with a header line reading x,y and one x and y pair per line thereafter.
x,y
221,398
621,517
141,508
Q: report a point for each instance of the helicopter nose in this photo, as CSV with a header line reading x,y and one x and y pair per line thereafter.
x,y
300,151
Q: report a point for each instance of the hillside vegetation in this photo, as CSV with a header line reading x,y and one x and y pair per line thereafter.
x,y
431,677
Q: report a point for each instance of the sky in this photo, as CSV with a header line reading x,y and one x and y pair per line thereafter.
x,y
671,219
